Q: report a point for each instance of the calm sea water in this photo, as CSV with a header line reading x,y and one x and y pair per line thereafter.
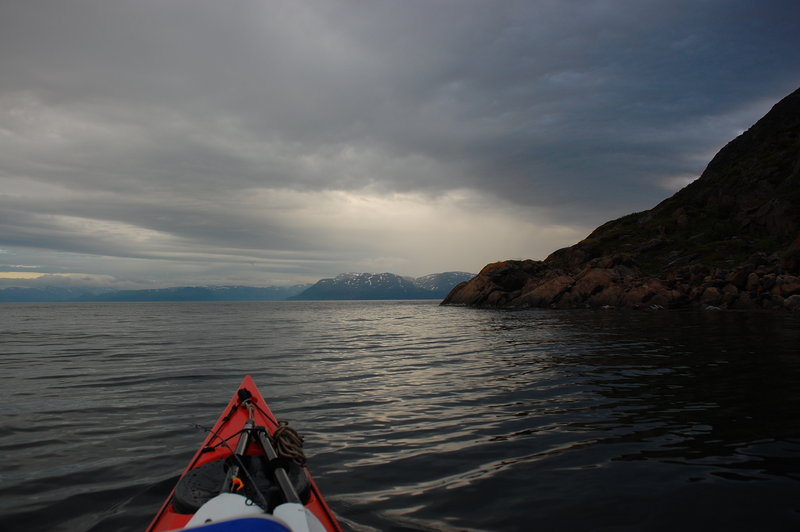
x,y
416,417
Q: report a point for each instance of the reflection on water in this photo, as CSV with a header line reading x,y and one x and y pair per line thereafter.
x,y
416,417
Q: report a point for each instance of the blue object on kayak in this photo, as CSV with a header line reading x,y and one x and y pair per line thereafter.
x,y
248,524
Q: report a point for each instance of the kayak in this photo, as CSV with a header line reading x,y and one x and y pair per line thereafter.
x,y
249,474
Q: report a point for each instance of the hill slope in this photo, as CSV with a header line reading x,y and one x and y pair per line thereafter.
x,y
730,239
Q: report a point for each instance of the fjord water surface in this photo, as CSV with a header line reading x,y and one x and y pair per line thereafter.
x,y
416,417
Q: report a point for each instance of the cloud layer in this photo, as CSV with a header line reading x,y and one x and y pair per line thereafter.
x,y
266,142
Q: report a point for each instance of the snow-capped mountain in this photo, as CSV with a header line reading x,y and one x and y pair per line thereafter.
x,y
442,282
383,286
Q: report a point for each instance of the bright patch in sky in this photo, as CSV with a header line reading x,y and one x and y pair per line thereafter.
x,y
20,275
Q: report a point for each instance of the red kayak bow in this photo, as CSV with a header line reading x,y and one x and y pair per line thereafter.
x,y
237,475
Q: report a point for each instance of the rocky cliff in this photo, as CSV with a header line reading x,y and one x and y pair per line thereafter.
x,y
730,239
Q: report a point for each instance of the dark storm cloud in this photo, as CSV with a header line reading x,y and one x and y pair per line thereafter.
x,y
191,121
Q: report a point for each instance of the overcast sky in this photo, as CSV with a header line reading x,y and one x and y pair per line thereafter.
x,y
154,143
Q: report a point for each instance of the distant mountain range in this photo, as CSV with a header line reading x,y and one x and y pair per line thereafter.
x,y
345,286
204,293
182,293
383,286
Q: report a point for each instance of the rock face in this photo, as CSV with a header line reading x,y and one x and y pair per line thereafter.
x,y
731,239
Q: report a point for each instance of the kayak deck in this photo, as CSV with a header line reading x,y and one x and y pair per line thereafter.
x,y
235,458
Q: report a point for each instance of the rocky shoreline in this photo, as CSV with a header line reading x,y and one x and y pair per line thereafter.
x,y
615,283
